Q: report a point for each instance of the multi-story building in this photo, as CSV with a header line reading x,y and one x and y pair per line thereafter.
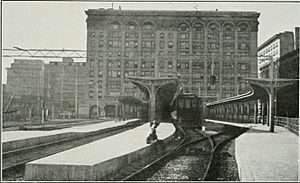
x,y
272,50
25,77
209,50
288,97
66,88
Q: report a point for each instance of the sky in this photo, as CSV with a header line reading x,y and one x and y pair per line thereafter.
x,y
61,25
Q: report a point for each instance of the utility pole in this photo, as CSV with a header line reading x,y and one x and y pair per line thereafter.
x,y
62,87
97,90
76,92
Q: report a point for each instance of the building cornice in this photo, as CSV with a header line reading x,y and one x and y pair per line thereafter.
x,y
111,12
276,36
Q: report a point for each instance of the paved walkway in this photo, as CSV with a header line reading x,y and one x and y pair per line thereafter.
x,y
265,156
19,135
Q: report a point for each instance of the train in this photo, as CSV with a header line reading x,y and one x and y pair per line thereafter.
x,y
187,110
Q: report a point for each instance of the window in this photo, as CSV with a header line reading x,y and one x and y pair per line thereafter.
x,y
114,44
183,35
131,44
161,44
170,36
162,35
243,46
184,45
91,94
186,65
183,27
115,25
101,44
91,73
115,34
100,63
170,44
213,28
101,34
131,26
170,64
100,74
148,35
148,44
244,66
161,64
214,46
198,27
148,26
228,27
243,27
91,84
243,86
198,35
228,36
183,53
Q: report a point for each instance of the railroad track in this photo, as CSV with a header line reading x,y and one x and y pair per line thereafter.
x,y
190,160
13,163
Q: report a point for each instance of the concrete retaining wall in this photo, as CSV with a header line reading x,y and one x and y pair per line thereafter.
x,y
99,171
24,143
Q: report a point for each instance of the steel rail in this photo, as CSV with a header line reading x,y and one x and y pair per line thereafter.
x,y
214,146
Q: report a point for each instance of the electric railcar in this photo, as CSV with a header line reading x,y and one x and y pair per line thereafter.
x,y
188,110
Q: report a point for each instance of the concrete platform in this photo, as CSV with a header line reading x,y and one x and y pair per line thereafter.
x,y
20,139
98,159
265,156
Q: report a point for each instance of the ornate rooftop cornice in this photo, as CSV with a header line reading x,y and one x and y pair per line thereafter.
x,y
171,13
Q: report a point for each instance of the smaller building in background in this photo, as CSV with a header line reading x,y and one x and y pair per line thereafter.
x,y
65,88
288,97
25,77
273,49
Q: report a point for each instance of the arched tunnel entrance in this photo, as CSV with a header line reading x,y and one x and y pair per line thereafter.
x,y
110,111
164,97
159,92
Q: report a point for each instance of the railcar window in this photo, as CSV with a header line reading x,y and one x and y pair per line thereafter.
x,y
187,103
194,104
181,103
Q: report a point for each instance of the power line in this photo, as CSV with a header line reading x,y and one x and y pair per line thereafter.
x,y
74,53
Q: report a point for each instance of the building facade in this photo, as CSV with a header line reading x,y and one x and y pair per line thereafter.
x,y
288,97
25,77
66,88
210,51
273,49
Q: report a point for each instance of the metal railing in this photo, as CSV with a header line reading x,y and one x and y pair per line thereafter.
x,y
291,124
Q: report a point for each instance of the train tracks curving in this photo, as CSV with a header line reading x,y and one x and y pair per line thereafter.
x,y
13,162
189,160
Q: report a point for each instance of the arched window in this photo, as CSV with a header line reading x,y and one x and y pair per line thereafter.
x,y
198,27
213,27
228,27
131,26
183,26
115,25
148,26
243,27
